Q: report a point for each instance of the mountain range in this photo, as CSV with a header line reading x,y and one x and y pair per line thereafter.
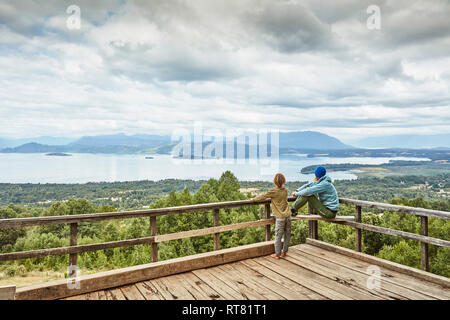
x,y
148,143
143,143
11,143
413,141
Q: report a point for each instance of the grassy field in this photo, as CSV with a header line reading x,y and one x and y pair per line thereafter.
x,y
34,277
30,278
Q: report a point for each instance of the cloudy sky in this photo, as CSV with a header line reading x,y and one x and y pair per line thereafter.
x,y
154,66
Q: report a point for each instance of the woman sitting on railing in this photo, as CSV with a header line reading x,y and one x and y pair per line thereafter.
x,y
282,213
320,194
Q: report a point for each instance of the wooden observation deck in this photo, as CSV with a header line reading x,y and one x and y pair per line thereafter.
x,y
314,270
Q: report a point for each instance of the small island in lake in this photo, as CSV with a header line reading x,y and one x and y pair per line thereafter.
x,y
58,154
148,157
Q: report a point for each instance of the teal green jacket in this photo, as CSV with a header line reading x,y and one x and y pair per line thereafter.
x,y
323,189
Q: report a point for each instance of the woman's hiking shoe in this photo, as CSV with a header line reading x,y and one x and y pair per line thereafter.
x,y
283,253
275,256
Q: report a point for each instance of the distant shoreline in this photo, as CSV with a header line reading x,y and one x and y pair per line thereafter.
x,y
58,154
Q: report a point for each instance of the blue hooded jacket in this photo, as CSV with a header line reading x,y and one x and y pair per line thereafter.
x,y
323,189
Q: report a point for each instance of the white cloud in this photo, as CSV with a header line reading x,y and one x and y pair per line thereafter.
x,y
154,66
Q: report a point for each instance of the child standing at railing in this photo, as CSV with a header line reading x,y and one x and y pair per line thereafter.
x,y
282,213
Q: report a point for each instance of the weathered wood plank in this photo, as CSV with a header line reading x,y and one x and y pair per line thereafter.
x,y
241,273
91,217
73,242
192,289
358,234
113,278
424,246
92,295
78,297
131,292
267,216
397,208
222,288
206,288
397,233
115,294
7,292
246,290
216,215
267,283
420,274
194,286
282,280
108,295
339,281
317,217
312,224
387,275
153,232
171,288
73,249
355,279
212,230
149,291
311,280
344,276
101,295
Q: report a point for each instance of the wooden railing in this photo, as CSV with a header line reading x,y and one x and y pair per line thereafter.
x,y
154,238
424,214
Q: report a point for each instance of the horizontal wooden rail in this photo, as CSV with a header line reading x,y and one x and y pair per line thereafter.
x,y
393,207
212,230
397,233
317,217
92,217
73,249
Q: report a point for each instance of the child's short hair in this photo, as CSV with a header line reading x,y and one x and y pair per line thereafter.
x,y
279,180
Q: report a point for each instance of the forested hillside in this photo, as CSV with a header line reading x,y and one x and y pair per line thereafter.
x,y
138,194
226,188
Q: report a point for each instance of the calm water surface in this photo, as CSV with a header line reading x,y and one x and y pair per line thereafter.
x,y
82,168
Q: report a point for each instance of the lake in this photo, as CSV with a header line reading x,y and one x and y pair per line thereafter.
x,y
82,168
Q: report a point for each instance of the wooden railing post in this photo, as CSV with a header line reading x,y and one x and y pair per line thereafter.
x,y
312,224
267,214
73,242
424,246
8,292
358,230
154,245
216,224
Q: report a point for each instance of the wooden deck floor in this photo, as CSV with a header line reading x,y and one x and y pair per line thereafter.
x,y
307,272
